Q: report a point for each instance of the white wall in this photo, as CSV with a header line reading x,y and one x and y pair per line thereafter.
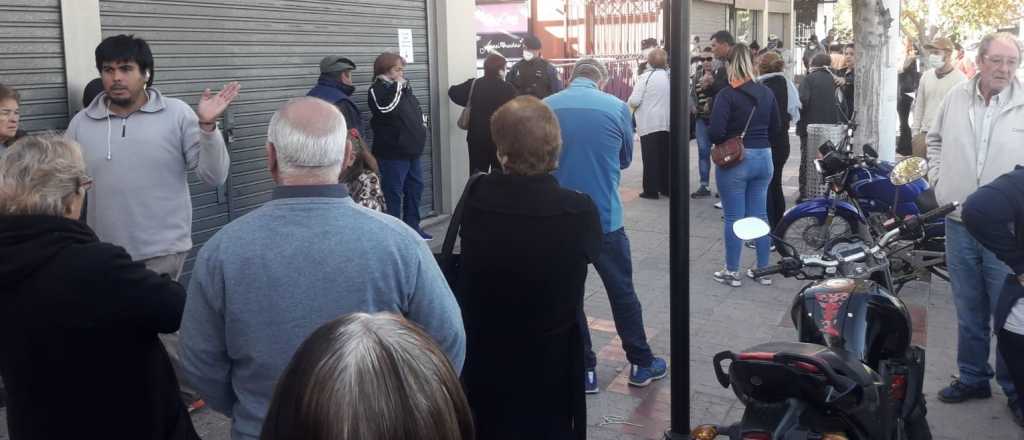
x,y
80,20
456,56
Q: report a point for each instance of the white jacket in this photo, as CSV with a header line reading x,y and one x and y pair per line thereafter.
x,y
651,95
928,99
953,151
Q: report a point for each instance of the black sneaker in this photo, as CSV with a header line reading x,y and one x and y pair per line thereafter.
x,y
701,193
649,196
1015,410
958,392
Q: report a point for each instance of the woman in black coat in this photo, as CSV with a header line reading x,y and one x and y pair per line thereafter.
x,y
78,318
818,105
770,65
526,243
488,94
399,137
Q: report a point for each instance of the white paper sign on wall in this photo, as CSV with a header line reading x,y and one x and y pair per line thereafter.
x,y
405,44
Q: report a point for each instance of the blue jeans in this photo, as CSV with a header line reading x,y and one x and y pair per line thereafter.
x,y
615,266
703,151
744,190
402,183
977,277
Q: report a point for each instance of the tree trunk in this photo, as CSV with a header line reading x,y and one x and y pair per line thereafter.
x,y
871,22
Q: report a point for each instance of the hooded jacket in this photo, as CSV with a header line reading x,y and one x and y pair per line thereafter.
x,y
139,165
339,94
399,129
953,149
78,336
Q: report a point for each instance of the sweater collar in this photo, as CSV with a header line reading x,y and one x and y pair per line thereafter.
x,y
335,191
583,83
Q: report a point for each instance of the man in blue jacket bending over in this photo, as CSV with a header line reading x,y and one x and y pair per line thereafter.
x,y
597,144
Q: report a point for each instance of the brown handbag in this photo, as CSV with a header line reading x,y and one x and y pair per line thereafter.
x,y
730,153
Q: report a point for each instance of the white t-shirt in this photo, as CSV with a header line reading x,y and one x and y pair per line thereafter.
x,y
1015,322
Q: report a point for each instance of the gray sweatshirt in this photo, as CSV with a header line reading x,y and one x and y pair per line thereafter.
x,y
139,164
264,282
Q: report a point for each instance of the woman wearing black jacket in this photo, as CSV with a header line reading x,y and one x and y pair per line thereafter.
x,y
78,318
818,105
770,65
399,136
488,94
526,244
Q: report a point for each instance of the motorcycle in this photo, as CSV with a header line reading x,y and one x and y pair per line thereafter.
x,y
875,204
855,373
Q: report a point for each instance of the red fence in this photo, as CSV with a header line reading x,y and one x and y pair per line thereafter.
x,y
621,74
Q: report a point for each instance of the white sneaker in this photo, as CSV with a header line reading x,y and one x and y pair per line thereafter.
x,y
728,278
764,281
718,205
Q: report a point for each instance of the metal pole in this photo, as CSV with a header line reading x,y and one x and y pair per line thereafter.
x,y
679,219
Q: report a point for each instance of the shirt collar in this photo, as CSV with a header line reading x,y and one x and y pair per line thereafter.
x,y
583,82
335,191
997,99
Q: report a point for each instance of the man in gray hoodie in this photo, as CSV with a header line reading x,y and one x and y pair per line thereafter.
x,y
139,146
263,283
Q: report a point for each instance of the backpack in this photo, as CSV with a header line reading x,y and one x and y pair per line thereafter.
x,y
533,78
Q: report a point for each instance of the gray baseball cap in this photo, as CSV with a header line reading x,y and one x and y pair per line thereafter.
x,y
335,63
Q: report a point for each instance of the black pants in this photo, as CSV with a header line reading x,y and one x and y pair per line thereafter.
x,y
656,155
803,168
482,157
903,106
776,199
1011,347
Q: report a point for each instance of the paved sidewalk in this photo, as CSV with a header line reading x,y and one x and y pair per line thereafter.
x,y
721,318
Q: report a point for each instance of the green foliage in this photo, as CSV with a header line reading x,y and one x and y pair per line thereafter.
x,y
958,18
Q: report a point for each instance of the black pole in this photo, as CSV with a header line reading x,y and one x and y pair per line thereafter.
x,y
679,218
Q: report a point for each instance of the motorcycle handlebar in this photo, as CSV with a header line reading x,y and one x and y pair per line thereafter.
x,y
941,211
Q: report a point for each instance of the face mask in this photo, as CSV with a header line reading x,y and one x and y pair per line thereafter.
x,y
936,61
527,55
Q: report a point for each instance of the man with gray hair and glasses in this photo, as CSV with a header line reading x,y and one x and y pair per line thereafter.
x,y
264,282
965,153
597,144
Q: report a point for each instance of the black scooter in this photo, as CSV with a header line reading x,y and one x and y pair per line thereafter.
x,y
855,373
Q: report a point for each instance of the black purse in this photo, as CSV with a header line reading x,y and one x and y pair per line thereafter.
x,y
448,260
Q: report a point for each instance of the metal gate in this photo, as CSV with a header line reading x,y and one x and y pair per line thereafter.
x,y
611,28
32,61
273,48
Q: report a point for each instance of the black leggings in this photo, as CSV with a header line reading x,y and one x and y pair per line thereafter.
x,y
1011,347
776,199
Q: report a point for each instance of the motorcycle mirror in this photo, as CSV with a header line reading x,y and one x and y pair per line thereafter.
x,y
751,228
870,151
908,170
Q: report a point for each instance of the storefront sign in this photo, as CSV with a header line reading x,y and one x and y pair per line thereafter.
x,y
405,45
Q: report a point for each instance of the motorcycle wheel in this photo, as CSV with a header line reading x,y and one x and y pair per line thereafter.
x,y
916,426
809,235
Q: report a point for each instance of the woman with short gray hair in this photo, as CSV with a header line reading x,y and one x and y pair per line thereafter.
x,y
71,300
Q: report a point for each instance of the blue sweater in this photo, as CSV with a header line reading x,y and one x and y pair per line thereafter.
x,y
264,282
597,143
732,108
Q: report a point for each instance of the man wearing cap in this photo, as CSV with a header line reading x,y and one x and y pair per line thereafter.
x,y
932,89
534,75
597,144
335,86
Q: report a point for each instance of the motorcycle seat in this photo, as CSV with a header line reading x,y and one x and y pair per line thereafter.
x,y
756,374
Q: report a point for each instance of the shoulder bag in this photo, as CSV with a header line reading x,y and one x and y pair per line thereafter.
x,y
448,260
464,116
730,153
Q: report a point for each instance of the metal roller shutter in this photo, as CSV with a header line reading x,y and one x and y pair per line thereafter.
x,y
32,61
273,48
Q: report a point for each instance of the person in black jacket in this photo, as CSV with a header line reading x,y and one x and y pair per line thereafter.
x,y
526,244
335,86
770,66
488,94
819,105
78,318
399,136
533,75
994,215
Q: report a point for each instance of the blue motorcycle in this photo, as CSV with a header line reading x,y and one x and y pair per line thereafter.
x,y
861,200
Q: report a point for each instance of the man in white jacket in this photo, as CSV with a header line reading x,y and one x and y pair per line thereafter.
x,y
931,90
975,138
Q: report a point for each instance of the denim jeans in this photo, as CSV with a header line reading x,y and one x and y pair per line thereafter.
x,y
402,183
977,276
703,151
615,266
744,190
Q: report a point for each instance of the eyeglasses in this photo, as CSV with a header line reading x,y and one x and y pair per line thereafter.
x,y
8,112
999,61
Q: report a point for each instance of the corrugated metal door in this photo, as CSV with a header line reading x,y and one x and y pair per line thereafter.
x,y
32,61
273,48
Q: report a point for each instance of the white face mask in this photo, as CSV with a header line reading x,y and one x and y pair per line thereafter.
x,y
936,61
527,55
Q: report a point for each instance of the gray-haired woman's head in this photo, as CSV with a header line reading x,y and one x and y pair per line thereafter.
x,y
374,377
43,175
592,69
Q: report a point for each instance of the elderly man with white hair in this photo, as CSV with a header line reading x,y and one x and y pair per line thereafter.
x,y
597,144
264,282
